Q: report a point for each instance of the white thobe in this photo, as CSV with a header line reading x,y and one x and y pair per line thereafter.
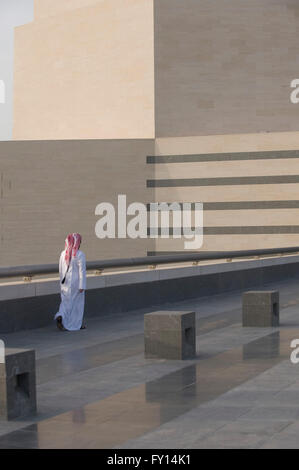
x,y
72,300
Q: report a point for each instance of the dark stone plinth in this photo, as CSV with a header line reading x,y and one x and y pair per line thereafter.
x,y
17,384
170,335
261,308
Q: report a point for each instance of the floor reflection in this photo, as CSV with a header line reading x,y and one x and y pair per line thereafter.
x,y
86,358
263,348
134,412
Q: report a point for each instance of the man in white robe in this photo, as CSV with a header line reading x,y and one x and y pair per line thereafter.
x,y
72,270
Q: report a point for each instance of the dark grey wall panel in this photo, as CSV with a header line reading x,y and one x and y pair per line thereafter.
x,y
227,181
222,157
241,205
245,230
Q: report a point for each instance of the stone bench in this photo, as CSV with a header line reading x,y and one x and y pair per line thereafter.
x,y
169,335
261,308
17,384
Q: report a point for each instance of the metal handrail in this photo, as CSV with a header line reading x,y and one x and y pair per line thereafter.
x,y
30,271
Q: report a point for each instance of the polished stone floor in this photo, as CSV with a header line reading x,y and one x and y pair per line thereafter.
x,y
96,390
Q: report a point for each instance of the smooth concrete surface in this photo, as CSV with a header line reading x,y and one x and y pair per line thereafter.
x,y
169,335
260,308
33,305
96,390
17,384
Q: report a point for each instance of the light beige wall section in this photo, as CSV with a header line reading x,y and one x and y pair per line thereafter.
x,y
45,8
251,192
279,218
225,67
86,73
252,217
277,167
49,189
245,217
227,143
233,242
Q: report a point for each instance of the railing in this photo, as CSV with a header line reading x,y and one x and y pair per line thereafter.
x,y
27,272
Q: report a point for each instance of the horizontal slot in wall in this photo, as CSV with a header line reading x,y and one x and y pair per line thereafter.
x,y
249,230
229,181
222,157
238,205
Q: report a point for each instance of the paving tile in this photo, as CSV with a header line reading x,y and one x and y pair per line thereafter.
x,y
96,390
276,413
224,440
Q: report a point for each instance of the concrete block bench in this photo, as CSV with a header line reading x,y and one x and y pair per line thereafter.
x,y
261,308
17,384
169,335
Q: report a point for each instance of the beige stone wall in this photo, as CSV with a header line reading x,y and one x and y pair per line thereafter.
x,y
49,189
231,243
225,67
268,207
86,73
165,68
45,8
227,143
218,81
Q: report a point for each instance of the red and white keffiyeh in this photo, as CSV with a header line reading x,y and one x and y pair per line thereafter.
x,y
72,245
